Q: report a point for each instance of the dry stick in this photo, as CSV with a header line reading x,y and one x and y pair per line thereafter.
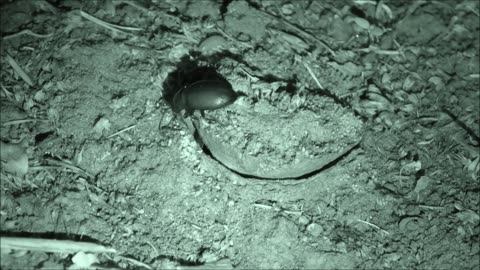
x,y
50,245
136,262
317,81
121,131
264,206
313,75
7,93
154,248
431,207
21,121
70,166
305,33
242,69
19,70
245,44
109,26
26,32
377,50
38,168
373,225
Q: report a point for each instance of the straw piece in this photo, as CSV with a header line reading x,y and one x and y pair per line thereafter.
x,y
19,70
50,245
107,25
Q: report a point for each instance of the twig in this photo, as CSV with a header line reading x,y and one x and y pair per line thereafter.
x,y
110,26
313,75
430,207
70,166
41,168
275,208
21,121
7,93
136,262
50,245
245,44
26,32
373,225
154,248
377,50
121,131
263,206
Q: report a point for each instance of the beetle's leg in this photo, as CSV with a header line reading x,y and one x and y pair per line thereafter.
x,y
168,125
196,134
189,124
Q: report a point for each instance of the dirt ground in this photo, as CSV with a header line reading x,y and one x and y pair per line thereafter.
x,y
353,143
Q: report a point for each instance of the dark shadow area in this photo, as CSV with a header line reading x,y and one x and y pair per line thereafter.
x,y
52,236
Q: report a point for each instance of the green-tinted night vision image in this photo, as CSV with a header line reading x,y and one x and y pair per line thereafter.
x,y
239,134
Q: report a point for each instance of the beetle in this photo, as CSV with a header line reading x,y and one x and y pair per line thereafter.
x,y
204,95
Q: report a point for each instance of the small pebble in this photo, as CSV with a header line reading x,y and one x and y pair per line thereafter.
x,y
288,9
314,229
212,44
303,220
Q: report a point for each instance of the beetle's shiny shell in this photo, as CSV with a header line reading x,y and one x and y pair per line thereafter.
x,y
204,95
